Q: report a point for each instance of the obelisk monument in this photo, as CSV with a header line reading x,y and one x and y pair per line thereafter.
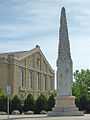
x,y
65,102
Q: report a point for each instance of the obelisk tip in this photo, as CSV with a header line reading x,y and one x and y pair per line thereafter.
x,y
63,8
63,11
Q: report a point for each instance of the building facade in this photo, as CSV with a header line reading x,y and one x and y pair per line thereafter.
x,y
26,72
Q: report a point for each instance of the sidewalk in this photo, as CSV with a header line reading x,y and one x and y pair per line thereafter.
x,y
5,117
43,117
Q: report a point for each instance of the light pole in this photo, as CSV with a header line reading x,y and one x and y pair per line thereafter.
x,y
8,89
8,106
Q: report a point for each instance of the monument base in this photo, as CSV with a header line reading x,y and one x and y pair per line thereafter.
x,y
65,106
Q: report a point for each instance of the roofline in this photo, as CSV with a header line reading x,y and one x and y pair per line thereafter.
x,y
37,49
32,51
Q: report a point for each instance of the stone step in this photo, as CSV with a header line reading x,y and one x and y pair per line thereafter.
x,y
65,113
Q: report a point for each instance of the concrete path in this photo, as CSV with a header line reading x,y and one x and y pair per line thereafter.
x,y
43,117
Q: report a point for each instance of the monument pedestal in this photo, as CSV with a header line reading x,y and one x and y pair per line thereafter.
x,y
65,106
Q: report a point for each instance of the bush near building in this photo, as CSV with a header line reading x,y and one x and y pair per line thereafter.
x,y
29,103
41,104
51,102
3,103
16,104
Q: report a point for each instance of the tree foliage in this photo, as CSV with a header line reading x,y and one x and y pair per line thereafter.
x,y
16,104
41,104
38,105
80,88
29,103
1,92
51,102
3,103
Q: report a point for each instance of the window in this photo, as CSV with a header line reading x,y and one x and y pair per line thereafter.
x,y
31,79
39,80
45,82
22,77
38,63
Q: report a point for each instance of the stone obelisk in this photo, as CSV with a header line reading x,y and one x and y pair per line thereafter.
x,y
65,102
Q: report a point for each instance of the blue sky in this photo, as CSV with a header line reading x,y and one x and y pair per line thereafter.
x,y
25,23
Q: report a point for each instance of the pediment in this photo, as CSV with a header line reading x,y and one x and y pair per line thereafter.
x,y
38,52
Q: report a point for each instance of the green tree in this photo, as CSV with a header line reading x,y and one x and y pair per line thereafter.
x,y
80,88
82,82
16,104
41,104
51,102
29,103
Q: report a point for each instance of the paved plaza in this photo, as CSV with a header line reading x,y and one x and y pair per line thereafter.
x,y
43,117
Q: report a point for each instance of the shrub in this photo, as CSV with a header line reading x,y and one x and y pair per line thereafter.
x,y
3,103
51,102
41,104
16,104
29,103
